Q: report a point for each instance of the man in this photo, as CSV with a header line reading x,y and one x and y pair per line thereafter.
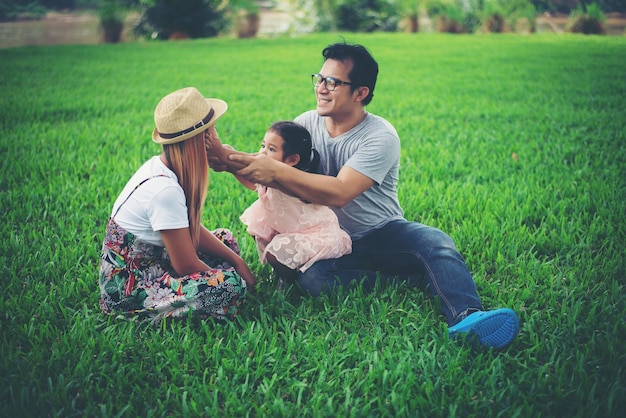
x,y
360,155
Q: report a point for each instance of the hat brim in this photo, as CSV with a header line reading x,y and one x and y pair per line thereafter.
x,y
219,107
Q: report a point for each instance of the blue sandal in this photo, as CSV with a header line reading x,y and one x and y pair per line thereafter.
x,y
495,328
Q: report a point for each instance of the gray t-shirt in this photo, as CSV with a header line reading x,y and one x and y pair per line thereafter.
x,y
373,149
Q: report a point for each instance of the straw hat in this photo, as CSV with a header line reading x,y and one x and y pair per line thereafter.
x,y
183,114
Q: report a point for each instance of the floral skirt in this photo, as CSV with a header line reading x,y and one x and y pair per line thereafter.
x,y
137,278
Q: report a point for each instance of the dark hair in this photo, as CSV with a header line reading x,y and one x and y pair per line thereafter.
x,y
298,141
364,70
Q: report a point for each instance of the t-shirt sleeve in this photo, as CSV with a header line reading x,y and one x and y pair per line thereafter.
x,y
376,156
168,209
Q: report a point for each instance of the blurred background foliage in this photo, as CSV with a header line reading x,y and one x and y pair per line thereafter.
x,y
165,19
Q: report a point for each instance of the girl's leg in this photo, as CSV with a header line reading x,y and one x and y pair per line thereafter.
x,y
283,272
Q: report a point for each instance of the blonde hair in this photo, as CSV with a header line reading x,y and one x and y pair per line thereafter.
x,y
188,160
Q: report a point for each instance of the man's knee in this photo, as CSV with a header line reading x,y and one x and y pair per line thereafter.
x,y
431,237
311,281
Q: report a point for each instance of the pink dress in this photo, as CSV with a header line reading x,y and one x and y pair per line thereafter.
x,y
298,234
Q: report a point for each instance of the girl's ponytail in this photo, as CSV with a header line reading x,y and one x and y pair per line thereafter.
x,y
314,163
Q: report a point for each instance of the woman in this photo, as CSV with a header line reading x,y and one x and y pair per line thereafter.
x,y
157,258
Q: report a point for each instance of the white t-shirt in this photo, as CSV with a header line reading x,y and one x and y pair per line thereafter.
x,y
158,204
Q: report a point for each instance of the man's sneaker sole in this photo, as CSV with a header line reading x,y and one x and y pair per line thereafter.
x,y
497,328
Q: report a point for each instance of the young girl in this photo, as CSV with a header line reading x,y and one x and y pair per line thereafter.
x,y
157,257
291,234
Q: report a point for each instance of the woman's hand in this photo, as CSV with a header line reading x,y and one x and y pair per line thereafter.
x,y
210,244
215,151
216,160
245,273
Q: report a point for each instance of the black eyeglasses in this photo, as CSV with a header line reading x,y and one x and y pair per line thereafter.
x,y
330,82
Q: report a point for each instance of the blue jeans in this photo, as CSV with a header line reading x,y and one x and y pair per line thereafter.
x,y
402,250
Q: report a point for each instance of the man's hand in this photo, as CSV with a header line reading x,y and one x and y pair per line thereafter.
x,y
257,168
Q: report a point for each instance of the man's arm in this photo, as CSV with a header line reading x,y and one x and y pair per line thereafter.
x,y
316,188
218,159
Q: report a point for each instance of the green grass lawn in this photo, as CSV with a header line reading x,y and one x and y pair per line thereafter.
x,y
514,145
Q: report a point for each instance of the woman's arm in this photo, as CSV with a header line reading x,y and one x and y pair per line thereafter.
x,y
210,244
182,252
184,256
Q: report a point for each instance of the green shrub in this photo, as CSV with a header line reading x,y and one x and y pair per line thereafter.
x,y
367,16
183,18
492,15
468,16
503,15
522,14
12,10
495,23
348,15
452,16
112,14
589,21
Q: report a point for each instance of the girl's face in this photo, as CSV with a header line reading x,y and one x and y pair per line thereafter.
x,y
272,146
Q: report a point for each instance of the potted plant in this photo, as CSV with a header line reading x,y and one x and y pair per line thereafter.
x,y
587,19
111,14
246,17
410,9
